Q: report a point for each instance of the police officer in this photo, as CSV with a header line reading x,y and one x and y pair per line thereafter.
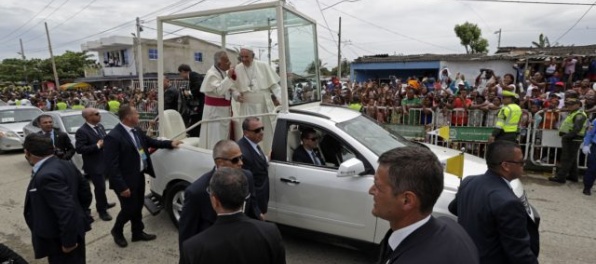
x,y
113,104
507,119
589,150
572,132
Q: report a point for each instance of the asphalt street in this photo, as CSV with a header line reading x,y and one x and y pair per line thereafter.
x,y
567,232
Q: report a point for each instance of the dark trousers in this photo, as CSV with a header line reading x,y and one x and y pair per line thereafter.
x,y
192,119
132,208
99,192
77,256
568,167
590,174
263,196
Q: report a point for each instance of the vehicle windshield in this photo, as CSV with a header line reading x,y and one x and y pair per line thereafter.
x,y
373,136
73,122
18,115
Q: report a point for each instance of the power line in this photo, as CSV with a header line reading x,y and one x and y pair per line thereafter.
x,y
531,2
38,23
325,19
33,17
576,22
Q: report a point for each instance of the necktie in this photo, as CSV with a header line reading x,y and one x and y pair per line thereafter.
x,y
314,158
140,148
261,153
99,132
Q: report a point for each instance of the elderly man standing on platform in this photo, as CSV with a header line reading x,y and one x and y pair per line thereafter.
x,y
217,87
259,91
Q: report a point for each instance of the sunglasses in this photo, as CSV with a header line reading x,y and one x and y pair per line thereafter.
x,y
257,130
233,160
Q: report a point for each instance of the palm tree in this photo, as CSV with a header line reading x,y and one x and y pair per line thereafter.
x,y
543,42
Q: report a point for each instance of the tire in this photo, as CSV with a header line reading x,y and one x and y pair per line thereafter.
x,y
174,201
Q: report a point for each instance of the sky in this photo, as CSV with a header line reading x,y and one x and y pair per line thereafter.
x,y
368,26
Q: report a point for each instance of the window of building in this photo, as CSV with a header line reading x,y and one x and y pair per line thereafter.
x,y
198,57
153,54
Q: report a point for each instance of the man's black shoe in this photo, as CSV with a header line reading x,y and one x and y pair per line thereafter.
x,y
105,216
555,179
119,239
143,237
110,205
587,191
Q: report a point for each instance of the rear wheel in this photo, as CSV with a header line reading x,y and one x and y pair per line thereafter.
x,y
175,200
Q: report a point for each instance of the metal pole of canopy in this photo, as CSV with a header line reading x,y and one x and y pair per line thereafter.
x,y
160,74
281,45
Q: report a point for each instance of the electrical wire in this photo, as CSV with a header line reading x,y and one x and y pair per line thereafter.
x,y
576,22
33,17
531,2
325,20
38,23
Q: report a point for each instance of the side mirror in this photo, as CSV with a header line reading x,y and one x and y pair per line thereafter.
x,y
351,167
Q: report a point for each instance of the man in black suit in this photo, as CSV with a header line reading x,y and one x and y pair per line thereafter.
x,y
54,204
407,184
234,238
197,212
89,143
255,159
170,95
62,146
198,98
126,159
500,224
308,151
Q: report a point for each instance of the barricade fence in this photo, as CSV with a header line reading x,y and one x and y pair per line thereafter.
x,y
147,115
469,129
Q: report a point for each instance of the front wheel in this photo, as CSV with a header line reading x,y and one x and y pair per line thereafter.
x,y
175,200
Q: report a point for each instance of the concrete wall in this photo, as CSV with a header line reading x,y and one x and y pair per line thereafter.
x,y
471,69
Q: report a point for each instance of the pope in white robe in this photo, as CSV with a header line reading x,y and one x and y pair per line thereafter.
x,y
217,87
256,82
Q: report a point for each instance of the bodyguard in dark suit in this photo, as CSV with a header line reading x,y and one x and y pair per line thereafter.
x,y
127,160
234,238
170,95
255,159
62,146
308,151
407,184
54,204
197,212
492,214
89,144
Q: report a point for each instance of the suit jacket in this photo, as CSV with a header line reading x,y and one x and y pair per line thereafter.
x,y
496,220
440,240
194,84
235,239
171,98
86,145
197,212
122,160
62,144
301,155
254,162
54,207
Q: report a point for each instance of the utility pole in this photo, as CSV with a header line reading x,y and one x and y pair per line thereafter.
x,y
24,62
339,51
269,38
140,55
499,42
52,57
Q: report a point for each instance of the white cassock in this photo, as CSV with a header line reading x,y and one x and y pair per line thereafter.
x,y
216,87
256,84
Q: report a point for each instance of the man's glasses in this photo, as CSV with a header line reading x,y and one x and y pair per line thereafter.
x,y
257,130
233,160
522,162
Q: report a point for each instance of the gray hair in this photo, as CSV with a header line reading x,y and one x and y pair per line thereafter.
x,y
247,121
218,56
223,147
230,186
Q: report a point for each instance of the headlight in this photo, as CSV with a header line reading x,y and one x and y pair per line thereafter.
x,y
9,134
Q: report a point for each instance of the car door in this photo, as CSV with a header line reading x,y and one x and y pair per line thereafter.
x,y
315,198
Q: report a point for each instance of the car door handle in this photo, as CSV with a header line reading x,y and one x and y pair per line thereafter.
x,y
289,181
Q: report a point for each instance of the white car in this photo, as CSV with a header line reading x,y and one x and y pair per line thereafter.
x,y
331,199
12,120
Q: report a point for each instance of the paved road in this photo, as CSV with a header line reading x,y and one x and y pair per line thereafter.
x,y
567,231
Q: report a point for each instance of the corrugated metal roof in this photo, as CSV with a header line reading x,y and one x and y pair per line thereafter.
x,y
432,57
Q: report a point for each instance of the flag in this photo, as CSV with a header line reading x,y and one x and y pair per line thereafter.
x,y
455,165
442,132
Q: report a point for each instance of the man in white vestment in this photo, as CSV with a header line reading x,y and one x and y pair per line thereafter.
x,y
259,89
217,87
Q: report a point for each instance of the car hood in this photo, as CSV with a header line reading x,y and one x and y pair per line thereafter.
x,y
16,127
473,165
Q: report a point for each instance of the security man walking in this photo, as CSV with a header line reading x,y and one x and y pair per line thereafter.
x,y
507,119
572,132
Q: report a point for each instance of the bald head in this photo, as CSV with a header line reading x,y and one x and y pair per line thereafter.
x,y
91,115
223,147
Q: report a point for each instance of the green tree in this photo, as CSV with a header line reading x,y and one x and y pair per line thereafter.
x,y
69,65
470,36
543,42
322,70
345,68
